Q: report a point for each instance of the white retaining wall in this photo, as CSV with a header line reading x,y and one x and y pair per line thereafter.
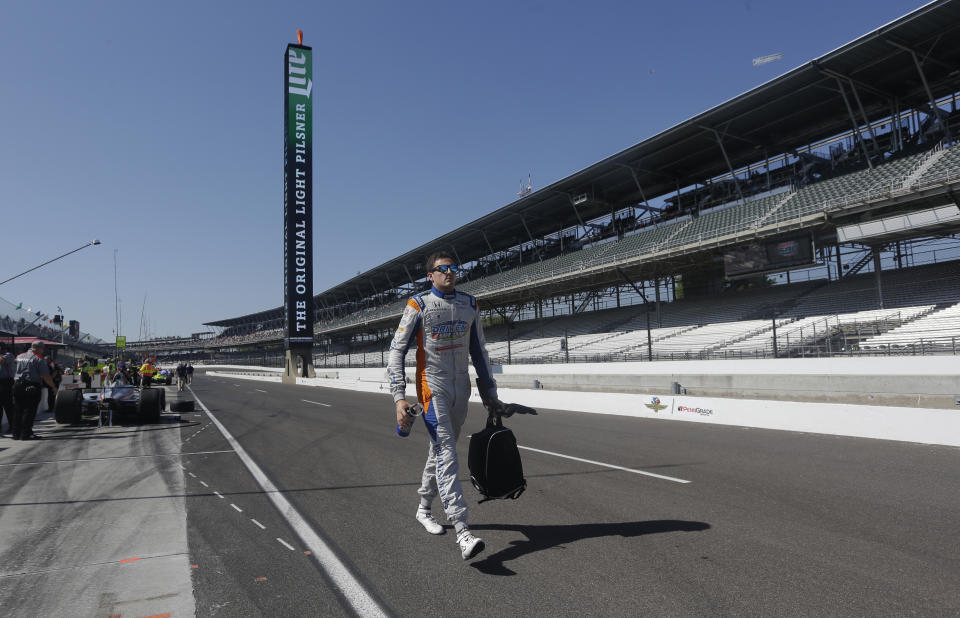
x,y
884,422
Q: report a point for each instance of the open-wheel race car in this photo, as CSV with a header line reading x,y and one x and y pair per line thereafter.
x,y
164,376
110,403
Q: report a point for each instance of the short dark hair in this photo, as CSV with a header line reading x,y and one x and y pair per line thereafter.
x,y
435,257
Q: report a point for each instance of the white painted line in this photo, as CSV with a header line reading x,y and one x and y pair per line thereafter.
x,y
236,508
316,402
204,484
606,465
285,544
259,390
192,474
53,461
360,599
218,494
262,527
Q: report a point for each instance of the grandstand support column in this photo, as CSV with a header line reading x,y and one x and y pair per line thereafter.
x,y
853,122
649,337
409,276
923,78
866,119
776,353
636,181
659,306
723,150
492,252
876,274
575,211
524,222
839,263
456,255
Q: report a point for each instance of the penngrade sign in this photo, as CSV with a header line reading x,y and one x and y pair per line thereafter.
x,y
298,194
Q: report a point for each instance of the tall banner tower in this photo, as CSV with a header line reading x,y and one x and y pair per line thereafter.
x,y
298,210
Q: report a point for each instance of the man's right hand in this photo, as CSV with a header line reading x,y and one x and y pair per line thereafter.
x,y
404,419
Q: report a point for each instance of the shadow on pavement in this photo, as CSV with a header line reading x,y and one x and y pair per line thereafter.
x,y
546,537
76,431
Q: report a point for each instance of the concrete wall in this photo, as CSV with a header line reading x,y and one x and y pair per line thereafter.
x,y
907,398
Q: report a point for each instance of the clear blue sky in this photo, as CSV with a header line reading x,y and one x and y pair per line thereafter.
x,y
156,127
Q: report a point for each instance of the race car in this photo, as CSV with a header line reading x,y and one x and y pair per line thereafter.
x,y
164,376
120,399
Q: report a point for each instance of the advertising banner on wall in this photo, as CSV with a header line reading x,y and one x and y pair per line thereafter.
x,y
298,194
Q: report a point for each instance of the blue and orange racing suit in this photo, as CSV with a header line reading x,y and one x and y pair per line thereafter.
x,y
446,329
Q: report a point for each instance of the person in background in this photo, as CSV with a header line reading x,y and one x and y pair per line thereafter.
x,y
8,365
147,371
85,373
189,373
181,376
31,375
57,376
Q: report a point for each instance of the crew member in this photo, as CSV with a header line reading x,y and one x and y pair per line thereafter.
x,y
31,374
445,326
147,371
8,364
86,375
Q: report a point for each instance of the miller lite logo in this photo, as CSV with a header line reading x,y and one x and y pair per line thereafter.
x,y
297,78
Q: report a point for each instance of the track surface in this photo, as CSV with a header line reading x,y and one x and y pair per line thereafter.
x,y
771,523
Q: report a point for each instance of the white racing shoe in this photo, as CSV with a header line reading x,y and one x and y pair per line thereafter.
x,y
428,521
470,545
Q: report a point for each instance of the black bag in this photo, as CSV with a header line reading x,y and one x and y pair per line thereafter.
x,y
494,461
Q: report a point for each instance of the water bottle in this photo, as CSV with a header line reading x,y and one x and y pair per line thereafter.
x,y
415,410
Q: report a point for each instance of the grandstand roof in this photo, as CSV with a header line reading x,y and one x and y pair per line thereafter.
x,y
799,108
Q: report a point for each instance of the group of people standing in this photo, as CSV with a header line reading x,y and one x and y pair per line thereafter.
x,y
22,379
184,375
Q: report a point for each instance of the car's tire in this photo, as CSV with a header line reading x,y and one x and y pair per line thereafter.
x,y
182,406
148,409
68,406
163,400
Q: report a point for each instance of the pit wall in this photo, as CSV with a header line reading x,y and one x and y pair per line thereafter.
x,y
844,396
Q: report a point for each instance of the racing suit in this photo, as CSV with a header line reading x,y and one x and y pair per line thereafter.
x,y
445,328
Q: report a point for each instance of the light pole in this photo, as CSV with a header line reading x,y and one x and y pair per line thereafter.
x,y
92,242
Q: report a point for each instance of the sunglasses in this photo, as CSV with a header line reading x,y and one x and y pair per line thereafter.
x,y
447,268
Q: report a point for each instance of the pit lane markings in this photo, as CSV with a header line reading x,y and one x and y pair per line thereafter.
x,y
196,433
316,402
239,510
361,600
259,390
53,461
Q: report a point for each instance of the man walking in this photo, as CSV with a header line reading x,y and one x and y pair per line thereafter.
x,y
181,376
31,374
445,327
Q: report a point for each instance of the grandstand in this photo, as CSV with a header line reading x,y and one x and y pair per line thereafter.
x,y
576,270
20,322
